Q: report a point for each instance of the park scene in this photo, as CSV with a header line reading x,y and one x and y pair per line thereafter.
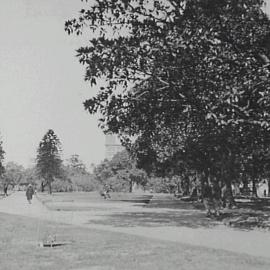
x,y
135,134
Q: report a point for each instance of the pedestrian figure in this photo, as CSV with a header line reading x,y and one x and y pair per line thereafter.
x,y
5,190
106,192
29,193
207,195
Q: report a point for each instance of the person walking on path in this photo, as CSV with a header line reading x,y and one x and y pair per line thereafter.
x,y
29,193
5,189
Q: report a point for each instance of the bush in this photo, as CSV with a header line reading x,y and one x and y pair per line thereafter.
x,y
161,185
60,185
84,182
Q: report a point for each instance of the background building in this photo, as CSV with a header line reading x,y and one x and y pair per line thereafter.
x,y
112,146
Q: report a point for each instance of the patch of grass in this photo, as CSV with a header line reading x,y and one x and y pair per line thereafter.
x,y
94,249
83,201
250,213
93,196
162,211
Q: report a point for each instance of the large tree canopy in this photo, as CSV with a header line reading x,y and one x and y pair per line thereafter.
x,y
186,77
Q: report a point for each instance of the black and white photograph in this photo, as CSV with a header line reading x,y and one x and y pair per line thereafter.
x,y
135,134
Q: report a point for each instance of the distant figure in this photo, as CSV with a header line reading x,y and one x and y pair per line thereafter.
x,y
106,192
5,190
29,193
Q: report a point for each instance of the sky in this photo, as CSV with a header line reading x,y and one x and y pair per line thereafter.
x,y
41,82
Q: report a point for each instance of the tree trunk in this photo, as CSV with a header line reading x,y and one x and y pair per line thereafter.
x,y
178,187
254,178
185,186
50,187
130,186
229,195
245,183
229,199
254,188
49,183
42,186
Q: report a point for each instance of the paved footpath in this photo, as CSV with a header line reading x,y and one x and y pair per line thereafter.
x,y
254,243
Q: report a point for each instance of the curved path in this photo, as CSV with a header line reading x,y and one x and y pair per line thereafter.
x,y
253,243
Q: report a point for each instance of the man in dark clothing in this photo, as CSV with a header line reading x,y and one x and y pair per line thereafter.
x,y
29,193
5,190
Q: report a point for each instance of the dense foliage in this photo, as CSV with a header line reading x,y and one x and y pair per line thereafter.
x,y
120,173
14,174
189,79
48,161
78,176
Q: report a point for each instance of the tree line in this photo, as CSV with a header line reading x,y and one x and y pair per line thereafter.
x,y
120,174
49,172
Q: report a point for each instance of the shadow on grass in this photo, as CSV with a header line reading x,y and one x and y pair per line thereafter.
x,y
192,219
130,197
247,216
167,211
250,214
175,204
256,204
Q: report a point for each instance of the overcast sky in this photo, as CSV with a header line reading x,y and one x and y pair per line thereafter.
x,y
41,82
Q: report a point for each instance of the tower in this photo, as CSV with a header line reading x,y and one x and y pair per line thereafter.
x,y
112,146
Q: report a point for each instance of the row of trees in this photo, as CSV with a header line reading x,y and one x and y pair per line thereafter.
x,y
189,79
121,173
49,172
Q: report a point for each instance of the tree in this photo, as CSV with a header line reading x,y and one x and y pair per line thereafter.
x,y
14,173
199,77
120,173
76,164
207,58
103,171
81,179
49,162
31,175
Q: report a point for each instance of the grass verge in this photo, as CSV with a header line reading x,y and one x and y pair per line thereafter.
x,y
94,249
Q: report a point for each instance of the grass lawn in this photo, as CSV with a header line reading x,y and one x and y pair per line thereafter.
x,y
94,249
250,214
